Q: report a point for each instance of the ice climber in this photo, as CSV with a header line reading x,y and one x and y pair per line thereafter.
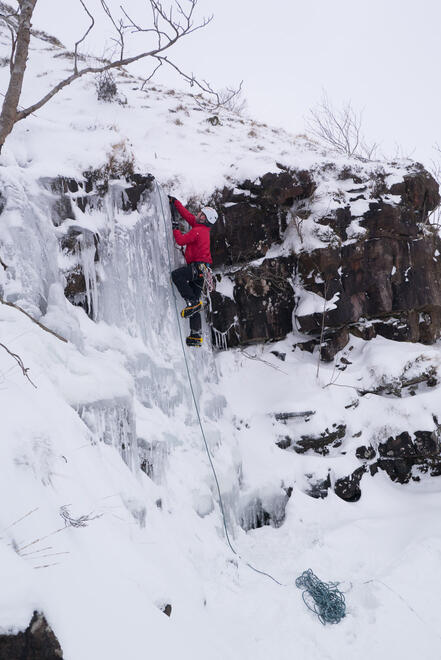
x,y
189,279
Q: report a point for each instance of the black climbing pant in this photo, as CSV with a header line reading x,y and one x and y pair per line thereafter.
x,y
189,282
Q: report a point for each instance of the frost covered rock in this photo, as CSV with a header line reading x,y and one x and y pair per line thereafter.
x,y
37,642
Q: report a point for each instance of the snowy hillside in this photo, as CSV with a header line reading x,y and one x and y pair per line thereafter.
x,y
109,511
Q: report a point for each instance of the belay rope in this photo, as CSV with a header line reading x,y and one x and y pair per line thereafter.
x,y
322,598
326,593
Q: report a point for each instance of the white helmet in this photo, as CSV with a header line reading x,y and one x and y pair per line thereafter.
x,y
210,214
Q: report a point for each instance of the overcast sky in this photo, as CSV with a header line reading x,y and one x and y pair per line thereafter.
x,y
382,55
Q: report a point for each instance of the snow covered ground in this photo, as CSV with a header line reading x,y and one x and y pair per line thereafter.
x,y
117,393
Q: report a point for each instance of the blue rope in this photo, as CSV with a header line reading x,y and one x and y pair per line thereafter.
x,y
322,598
331,608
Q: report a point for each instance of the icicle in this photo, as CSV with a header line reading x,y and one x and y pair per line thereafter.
x,y
221,338
86,258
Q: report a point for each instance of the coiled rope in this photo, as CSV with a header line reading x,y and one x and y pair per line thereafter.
x,y
322,598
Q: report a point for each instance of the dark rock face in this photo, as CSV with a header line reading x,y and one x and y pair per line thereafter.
x,y
74,242
388,279
262,305
37,642
348,488
254,215
403,458
365,453
321,443
394,281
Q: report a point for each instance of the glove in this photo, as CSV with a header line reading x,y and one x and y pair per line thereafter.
x,y
171,200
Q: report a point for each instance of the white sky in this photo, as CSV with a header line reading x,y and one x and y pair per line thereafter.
x,y
381,54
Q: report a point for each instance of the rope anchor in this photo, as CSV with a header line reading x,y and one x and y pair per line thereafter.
x,y
322,598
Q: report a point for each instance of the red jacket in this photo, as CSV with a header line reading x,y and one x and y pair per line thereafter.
x,y
197,240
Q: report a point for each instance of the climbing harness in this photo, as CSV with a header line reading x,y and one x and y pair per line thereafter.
x,y
207,274
322,598
190,381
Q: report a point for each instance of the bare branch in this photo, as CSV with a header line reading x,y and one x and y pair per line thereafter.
x,y
151,75
135,27
256,357
119,27
20,519
43,327
77,43
82,521
24,547
12,26
20,363
222,99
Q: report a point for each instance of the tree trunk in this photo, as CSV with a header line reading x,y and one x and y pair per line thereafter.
x,y
8,115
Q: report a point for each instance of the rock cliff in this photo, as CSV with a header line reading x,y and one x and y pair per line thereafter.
x,y
365,261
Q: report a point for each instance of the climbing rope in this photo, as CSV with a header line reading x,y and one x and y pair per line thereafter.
x,y
221,503
322,598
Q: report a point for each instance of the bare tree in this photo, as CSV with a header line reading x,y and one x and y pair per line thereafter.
x,y
340,129
167,26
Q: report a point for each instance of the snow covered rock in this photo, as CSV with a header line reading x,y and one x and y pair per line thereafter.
x,y
359,253
37,642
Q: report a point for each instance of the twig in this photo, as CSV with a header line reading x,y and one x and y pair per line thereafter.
x,y
52,554
119,27
255,357
361,392
20,519
76,522
43,327
20,363
34,552
40,539
77,43
221,99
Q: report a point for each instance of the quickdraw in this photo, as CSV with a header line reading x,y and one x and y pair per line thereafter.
x,y
207,274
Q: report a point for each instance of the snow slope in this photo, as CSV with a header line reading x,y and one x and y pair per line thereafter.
x,y
117,394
